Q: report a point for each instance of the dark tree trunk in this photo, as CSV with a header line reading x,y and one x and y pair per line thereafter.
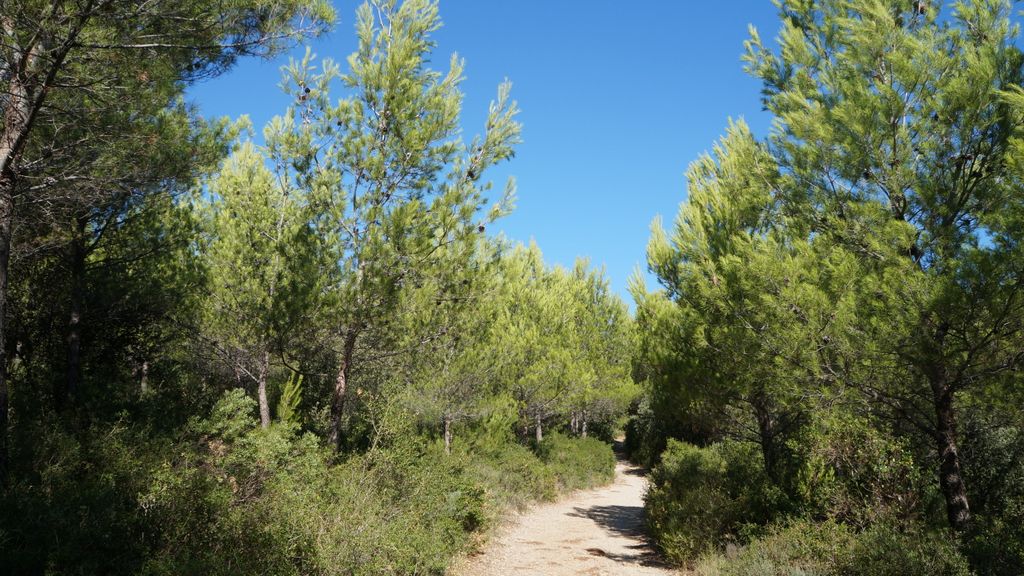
x,y
336,438
447,421
261,389
6,217
951,482
22,105
25,89
73,377
767,430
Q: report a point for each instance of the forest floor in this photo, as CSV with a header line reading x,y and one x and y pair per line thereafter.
x,y
592,532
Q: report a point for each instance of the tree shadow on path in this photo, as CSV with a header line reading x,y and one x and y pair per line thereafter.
x,y
626,521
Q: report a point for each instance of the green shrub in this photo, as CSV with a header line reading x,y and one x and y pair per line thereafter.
x,y
227,497
645,438
888,550
827,548
995,543
793,548
513,476
994,473
71,503
688,508
700,498
577,463
851,472
270,501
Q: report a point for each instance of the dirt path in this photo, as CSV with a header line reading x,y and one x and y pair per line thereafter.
x,y
595,533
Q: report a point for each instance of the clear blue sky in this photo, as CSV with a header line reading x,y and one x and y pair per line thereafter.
x,y
617,98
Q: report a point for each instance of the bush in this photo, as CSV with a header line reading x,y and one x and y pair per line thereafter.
x,y
270,501
700,498
885,550
513,477
688,507
71,501
994,473
793,548
645,440
828,548
226,497
577,463
851,472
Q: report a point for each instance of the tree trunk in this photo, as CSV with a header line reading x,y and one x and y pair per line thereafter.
x,y
572,424
18,116
6,217
958,511
767,432
539,429
23,104
261,391
73,377
447,434
336,437
144,378
583,424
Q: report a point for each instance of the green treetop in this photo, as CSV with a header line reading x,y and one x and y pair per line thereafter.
x,y
389,180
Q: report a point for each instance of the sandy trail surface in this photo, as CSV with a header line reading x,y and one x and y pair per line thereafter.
x,y
594,532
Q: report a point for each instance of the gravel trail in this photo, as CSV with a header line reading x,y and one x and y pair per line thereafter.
x,y
593,532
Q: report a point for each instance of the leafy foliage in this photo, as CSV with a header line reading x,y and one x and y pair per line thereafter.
x,y
701,498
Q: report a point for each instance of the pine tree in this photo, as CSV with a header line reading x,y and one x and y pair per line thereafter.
x,y
389,179
868,244
894,135
261,267
450,332
604,388
536,332
83,79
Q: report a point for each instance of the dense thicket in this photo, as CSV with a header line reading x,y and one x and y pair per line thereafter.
x,y
839,334
295,354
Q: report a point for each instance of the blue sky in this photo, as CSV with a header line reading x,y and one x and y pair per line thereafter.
x,y
617,98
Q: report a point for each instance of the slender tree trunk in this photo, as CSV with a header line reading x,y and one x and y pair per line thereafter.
x,y
6,217
583,424
447,421
767,432
73,377
261,390
539,429
22,106
336,437
18,116
572,424
958,510
144,378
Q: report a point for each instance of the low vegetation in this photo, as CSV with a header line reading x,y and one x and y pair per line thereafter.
x,y
225,496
